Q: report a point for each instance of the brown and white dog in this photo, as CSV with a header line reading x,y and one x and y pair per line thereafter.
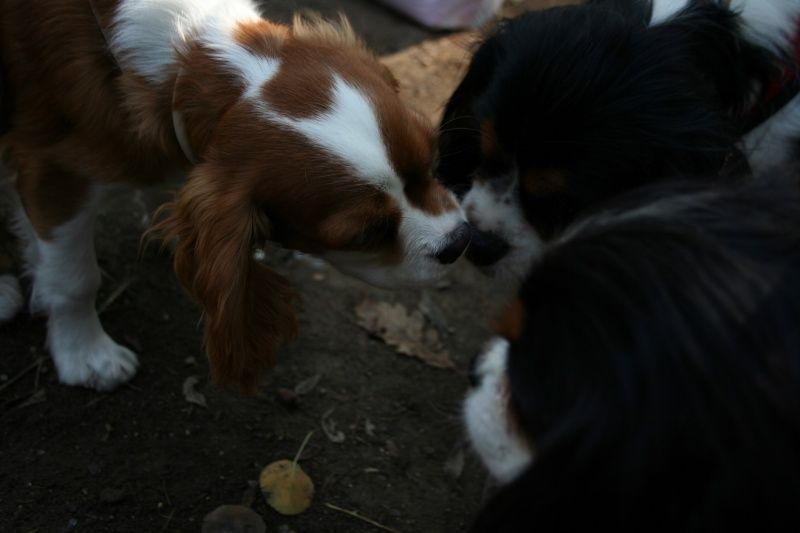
x,y
291,134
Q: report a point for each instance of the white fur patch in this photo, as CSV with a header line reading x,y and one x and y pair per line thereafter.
x,y
255,71
769,23
774,143
147,34
65,282
499,213
665,9
349,131
487,419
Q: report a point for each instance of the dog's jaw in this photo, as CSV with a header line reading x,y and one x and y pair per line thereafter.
x,y
488,419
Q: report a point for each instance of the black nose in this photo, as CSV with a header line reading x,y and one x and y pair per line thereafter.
x,y
472,371
457,242
486,248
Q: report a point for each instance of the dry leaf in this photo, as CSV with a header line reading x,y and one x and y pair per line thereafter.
x,y
307,385
369,428
286,487
404,331
329,427
191,395
454,465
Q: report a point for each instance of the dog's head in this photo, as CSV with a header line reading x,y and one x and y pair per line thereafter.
x,y
317,153
649,371
564,108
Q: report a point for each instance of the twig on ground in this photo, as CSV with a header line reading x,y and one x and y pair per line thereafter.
x,y
169,519
360,517
16,378
127,282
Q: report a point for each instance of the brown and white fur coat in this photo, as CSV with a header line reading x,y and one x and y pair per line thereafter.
x,y
290,134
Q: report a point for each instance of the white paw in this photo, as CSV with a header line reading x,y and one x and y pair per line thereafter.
x,y
10,297
102,365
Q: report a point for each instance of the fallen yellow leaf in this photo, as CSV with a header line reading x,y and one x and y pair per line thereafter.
x,y
286,487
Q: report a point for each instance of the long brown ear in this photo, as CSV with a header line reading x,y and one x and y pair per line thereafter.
x,y
247,306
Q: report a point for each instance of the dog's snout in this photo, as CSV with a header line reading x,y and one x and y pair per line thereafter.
x,y
486,248
457,242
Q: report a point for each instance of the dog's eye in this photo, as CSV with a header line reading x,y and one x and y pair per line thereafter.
x,y
376,233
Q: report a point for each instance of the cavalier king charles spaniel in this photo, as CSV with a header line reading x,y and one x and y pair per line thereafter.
x,y
294,134
647,378
563,108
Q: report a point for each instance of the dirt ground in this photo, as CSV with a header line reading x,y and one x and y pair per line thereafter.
x,y
143,459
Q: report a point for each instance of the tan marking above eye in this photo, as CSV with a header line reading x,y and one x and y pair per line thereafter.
x,y
490,145
512,322
496,159
430,196
542,182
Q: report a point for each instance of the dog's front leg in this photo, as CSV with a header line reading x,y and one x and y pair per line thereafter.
x,y
66,277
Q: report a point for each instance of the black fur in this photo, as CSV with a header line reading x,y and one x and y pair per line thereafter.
x,y
658,373
592,93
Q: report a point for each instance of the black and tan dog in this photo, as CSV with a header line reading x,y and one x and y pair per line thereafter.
x,y
648,376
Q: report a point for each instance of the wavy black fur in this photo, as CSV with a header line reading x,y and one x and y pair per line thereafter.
x,y
594,94
658,374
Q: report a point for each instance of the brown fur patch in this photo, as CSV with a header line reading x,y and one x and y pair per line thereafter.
x,y
430,196
302,86
511,324
73,119
263,38
372,223
204,91
542,182
292,182
48,207
247,306
312,27
496,158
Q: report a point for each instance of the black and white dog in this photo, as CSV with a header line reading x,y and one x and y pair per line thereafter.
x,y
648,376
564,108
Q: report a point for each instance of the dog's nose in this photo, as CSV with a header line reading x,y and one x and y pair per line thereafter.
x,y
486,248
457,242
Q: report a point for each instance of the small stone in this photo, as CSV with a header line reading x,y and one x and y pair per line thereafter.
x,y
233,519
287,397
109,495
391,449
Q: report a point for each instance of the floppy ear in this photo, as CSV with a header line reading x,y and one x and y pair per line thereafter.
x,y
710,38
247,306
